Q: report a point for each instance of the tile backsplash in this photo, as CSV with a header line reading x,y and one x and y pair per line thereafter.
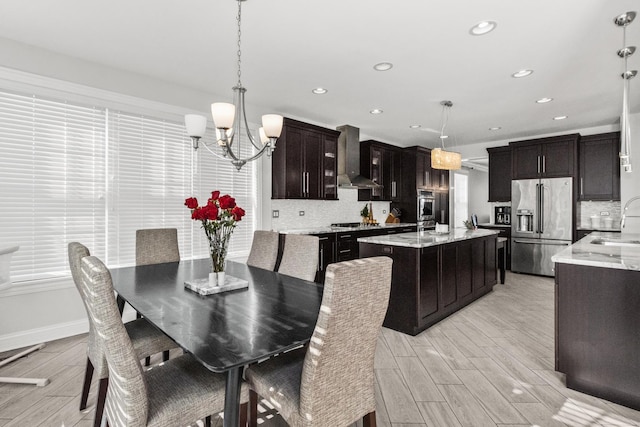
x,y
318,213
586,209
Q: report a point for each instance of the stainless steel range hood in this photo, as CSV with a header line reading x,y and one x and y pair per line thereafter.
x,y
349,160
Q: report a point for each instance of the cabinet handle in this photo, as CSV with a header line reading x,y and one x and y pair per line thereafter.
x,y
582,186
538,164
321,264
426,178
345,251
442,215
544,164
323,238
393,189
345,236
387,250
307,173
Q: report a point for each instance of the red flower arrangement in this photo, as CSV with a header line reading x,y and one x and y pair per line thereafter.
x,y
219,217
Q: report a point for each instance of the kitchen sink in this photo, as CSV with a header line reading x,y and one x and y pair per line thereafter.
x,y
616,242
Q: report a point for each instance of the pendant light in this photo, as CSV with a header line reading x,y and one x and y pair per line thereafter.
x,y
440,158
623,21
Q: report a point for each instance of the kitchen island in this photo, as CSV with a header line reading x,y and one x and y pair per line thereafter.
x,y
434,275
597,316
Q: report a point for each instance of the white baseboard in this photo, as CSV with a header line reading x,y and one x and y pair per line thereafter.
x,y
52,332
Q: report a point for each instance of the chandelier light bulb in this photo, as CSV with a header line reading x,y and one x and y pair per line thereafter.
x,y
223,114
272,124
196,125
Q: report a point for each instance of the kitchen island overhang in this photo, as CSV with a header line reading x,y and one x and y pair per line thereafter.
x,y
434,274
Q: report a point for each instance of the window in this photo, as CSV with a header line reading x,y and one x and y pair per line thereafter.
x,y
73,172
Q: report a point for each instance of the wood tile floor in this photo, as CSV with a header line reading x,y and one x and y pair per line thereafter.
x,y
490,364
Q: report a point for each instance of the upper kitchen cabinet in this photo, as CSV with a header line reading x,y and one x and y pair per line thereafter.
x,y
382,163
439,179
304,163
599,167
551,157
499,174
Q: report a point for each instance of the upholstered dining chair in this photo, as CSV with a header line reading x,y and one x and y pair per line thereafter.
x,y
331,381
264,249
146,339
177,392
300,256
157,246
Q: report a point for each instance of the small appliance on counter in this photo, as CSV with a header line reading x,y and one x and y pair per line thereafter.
x,y
503,215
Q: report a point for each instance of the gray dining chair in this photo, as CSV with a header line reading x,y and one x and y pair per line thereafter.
x,y
264,249
157,246
177,392
300,256
331,381
146,339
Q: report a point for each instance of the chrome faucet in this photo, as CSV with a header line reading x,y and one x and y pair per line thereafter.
x,y
624,211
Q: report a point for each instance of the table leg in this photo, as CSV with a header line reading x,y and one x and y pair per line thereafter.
x,y
232,397
120,302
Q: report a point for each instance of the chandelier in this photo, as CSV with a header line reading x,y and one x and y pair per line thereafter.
x,y
441,159
626,51
229,120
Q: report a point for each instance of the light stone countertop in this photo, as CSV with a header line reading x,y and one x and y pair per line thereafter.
x,y
583,252
329,229
422,239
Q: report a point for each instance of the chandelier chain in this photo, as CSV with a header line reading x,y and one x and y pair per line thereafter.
x,y
239,17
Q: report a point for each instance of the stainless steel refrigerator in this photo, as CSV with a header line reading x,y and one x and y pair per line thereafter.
x,y
541,225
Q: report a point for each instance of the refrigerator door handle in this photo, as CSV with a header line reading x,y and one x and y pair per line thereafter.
x,y
541,216
537,218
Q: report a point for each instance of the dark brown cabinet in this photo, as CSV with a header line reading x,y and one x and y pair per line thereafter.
x,y
327,254
305,162
599,167
416,175
551,157
441,206
382,163
499,174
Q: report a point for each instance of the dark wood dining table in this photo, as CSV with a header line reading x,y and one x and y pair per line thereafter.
x,y
224,331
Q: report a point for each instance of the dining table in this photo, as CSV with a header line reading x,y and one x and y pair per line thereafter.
x,y
228,330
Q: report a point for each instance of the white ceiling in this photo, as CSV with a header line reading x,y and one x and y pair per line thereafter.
x,y
291,46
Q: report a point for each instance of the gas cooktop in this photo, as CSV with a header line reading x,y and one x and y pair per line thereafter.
x,y
351,225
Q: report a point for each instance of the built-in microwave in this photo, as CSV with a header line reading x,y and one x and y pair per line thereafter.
x,y
426,208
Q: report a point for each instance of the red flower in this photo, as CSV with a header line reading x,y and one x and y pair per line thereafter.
x,y
191,203
227,202
197,214
215,195
237,213
210,212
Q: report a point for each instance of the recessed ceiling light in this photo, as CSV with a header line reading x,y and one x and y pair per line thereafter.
x,y
522,73
560,117
495,128
376,111
383,66
415,126
544,100
319,91
482,28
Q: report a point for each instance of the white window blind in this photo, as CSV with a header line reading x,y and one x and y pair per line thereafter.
x,y
72,172
52,174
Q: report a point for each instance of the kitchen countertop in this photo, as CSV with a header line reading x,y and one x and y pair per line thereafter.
x,y
329,229
422,239
589,228
583,252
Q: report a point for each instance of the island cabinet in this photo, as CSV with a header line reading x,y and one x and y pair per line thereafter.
x,y
499,174
551,157
304,163
432,282
599,167
382,163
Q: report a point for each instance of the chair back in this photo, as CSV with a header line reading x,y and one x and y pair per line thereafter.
x,y
264,249
300,256
127,402
157,246
95,351
337,383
